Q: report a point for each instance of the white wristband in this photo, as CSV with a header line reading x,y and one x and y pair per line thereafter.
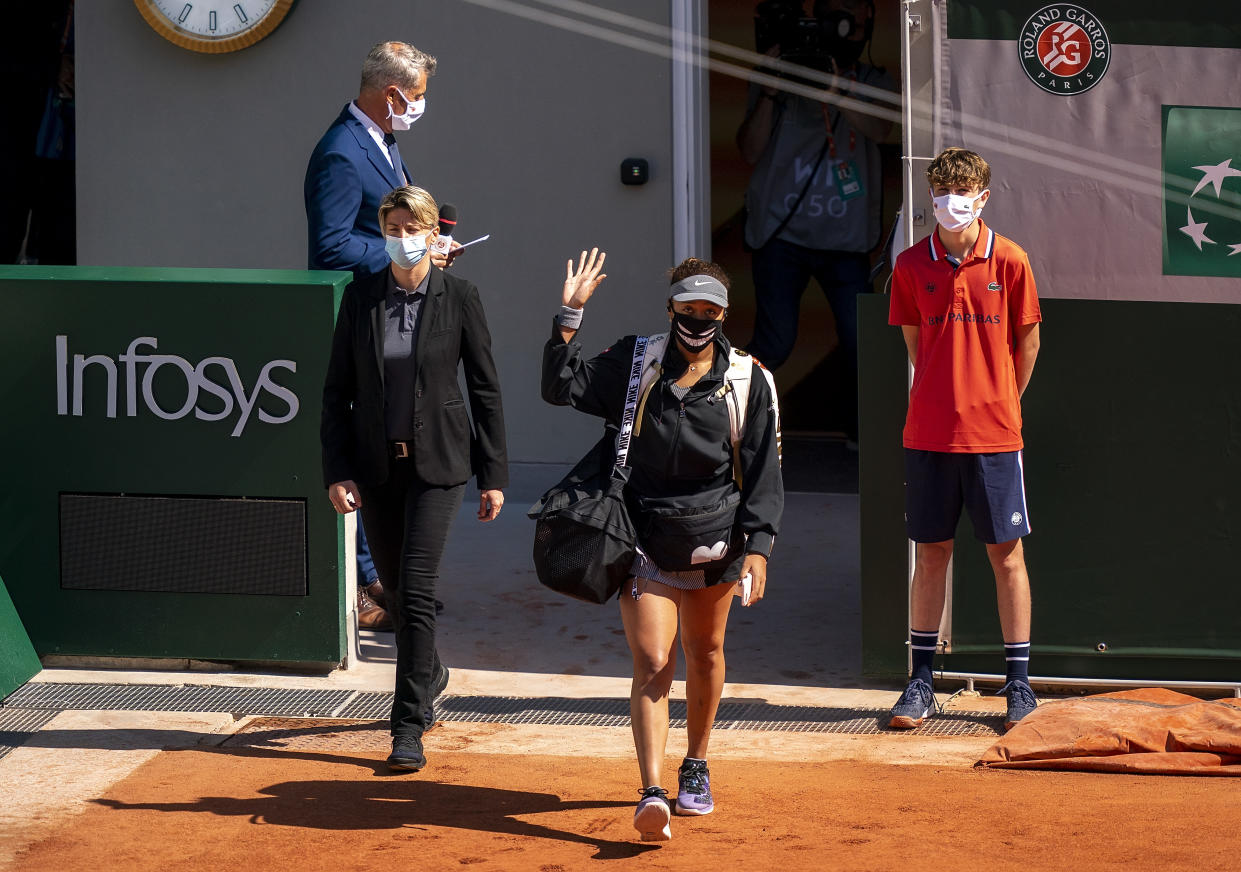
x,y
569,318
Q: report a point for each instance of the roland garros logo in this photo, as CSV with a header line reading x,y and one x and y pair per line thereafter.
x,y
1064,49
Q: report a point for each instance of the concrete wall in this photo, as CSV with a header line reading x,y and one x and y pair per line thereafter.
x,y
198,160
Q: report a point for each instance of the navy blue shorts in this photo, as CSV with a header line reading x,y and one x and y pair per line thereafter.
x,y
991,487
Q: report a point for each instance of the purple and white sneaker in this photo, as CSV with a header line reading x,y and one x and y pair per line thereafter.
x,y
652,818
694,793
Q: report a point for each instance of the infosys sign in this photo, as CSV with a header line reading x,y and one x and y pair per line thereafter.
x,y
212,389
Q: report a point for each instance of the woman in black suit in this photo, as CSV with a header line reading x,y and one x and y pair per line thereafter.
x,y
397,443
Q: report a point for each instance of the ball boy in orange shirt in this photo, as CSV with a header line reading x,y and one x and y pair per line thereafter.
x,y
965,299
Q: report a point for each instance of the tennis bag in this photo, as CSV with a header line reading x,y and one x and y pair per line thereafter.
x,y
583,537
584,540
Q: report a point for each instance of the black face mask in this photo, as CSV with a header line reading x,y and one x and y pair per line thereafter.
x,y
847,52
694,333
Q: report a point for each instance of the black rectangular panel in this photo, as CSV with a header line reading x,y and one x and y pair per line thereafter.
x,y
221,545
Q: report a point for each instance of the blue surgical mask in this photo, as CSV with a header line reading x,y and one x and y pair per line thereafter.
x,y
406,251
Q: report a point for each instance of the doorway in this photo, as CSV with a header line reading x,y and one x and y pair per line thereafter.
x,y
820,450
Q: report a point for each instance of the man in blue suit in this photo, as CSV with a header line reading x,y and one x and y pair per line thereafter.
x,y
353,167
357,162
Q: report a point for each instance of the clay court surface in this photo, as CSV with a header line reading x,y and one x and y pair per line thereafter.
x,y
804,776
317,796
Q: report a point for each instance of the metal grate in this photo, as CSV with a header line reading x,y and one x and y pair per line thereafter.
x,y
370,705
548,711
17,726
179,698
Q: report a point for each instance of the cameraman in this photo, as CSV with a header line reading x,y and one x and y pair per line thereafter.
x,y
813,202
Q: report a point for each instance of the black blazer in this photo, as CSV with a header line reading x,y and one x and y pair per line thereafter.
x,y
446,449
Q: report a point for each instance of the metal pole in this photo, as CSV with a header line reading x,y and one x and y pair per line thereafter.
x,y
907,226
907,126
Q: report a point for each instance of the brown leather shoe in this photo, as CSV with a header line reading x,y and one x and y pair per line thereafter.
x,y
371,616
375,590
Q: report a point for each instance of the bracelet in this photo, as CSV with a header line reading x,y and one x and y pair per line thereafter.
x,y
569,318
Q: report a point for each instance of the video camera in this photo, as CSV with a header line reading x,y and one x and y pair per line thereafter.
x,y
815,42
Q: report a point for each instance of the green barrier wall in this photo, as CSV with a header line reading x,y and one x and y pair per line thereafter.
x,y
18,661
882,389
1133,474
144,384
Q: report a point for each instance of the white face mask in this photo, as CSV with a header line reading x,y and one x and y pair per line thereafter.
x,y
954,211
406,251
413,111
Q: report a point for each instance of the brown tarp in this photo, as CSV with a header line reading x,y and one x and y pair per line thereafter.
x,y
1151,730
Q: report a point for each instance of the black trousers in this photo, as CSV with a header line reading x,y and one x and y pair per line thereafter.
x,y
407,523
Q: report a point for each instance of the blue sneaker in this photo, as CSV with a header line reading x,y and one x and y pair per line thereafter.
x,y
652,818
694,788
916,703
1021,701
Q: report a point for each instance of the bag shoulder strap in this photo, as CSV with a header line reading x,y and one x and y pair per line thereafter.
x,y
652,361
652,368
626,433
741,369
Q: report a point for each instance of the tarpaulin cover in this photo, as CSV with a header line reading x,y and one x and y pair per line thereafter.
x,y
1151,730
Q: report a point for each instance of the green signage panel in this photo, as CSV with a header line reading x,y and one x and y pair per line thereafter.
x,y
1201,24
161,429
1201,191
883,381
18,661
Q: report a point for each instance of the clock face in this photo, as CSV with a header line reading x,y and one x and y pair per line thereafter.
x,y
213,26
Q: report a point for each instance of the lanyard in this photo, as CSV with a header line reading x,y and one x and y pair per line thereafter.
x,y
831,140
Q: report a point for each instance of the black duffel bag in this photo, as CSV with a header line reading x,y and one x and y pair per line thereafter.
x,y
583,537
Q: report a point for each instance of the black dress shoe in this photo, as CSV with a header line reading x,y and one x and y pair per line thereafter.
x,y
407,755
438,684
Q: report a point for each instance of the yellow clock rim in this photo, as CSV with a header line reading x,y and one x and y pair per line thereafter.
x,y
206,45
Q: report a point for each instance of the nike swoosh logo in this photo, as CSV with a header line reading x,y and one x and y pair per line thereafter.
x,y
700,284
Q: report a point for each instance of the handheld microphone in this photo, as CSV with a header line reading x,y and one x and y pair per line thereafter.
x,y
448,224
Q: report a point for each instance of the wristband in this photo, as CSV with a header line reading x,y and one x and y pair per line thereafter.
x,y
569,318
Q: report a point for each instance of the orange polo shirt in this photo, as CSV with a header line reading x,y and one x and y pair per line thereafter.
x,y
964,396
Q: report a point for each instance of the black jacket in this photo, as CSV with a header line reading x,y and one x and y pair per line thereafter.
x,y
446,449
683,450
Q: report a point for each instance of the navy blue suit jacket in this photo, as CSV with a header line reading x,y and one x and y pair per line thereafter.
x,y
347,176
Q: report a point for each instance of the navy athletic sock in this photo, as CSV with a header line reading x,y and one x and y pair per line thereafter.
x,y
923,645
1017,661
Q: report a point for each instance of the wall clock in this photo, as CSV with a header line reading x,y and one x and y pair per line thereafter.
x,y
214,26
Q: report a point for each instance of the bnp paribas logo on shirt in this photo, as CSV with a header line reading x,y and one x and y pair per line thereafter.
x,y
1202,191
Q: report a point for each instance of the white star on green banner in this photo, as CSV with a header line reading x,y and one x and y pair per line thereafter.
x,y
1201,191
